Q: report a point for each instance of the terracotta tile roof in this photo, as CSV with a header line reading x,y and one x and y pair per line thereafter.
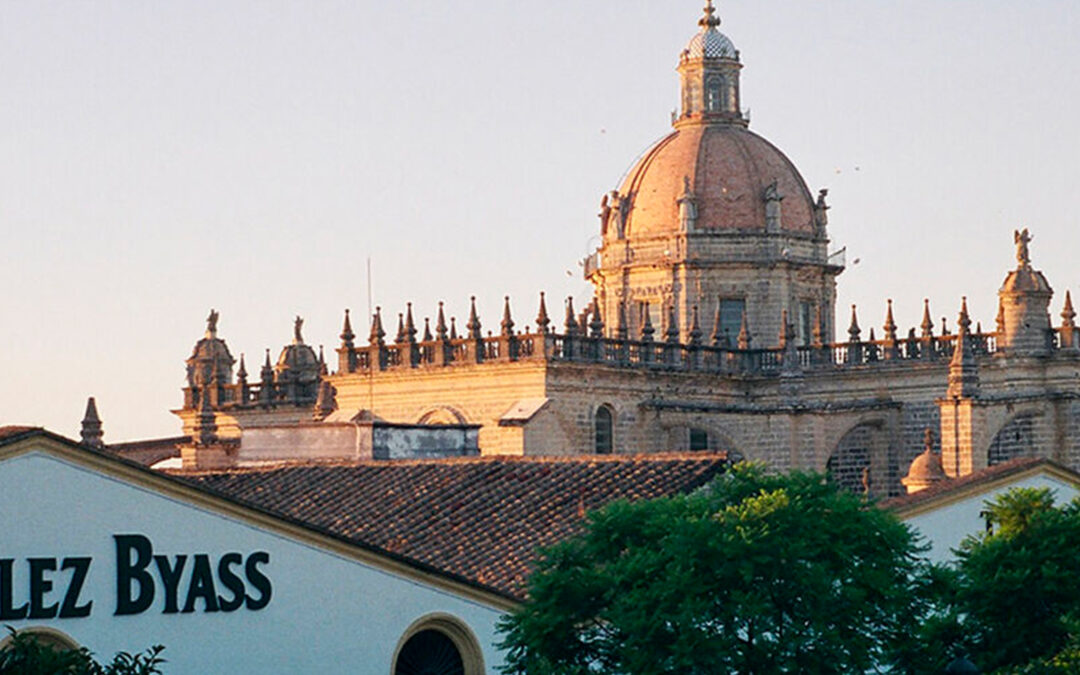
x,y
480,519
971,480
10,432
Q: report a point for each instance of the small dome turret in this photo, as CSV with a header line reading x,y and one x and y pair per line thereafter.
x,y
298,367
210,360
925,470
710,43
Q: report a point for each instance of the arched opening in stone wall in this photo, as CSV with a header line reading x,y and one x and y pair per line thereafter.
x,y
860,462
442,415
1016,439
438,645
604,431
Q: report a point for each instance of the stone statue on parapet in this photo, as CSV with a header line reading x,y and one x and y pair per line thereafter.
x,y
1022,239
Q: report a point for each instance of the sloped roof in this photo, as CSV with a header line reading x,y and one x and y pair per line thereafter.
x,y
10,432
948,491
481,519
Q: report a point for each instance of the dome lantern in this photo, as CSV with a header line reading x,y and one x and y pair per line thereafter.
x,y
709,73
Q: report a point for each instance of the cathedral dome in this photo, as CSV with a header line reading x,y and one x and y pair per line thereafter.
x,y
731,172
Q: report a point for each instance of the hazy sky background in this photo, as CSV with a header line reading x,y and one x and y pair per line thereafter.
x,y
158,159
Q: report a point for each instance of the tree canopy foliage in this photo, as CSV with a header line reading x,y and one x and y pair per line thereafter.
x,y
757,573
25,654
1019,584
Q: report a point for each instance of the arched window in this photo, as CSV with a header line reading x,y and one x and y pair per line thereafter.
x,y
45,636
429,652
714,94
438,644
604,431
1016,439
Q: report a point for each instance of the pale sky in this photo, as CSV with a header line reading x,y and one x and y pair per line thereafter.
x,y
158,159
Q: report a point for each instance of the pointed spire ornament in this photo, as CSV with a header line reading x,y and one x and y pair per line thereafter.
x,y
323,370
672,332
242,373
410,325
963,368
965,320
507,324
473,325
744,338
695,327
647,330
854,332
377,332
1068,314
1067,333
91,433
622,328
718,338
347,334
542,320
596,323
440,323
267,369
400,337
570,324
453,328
324,401
927,322
890,324
427,330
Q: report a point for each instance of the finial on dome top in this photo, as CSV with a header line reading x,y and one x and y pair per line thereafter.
x,y
1022,239
710,20
211,324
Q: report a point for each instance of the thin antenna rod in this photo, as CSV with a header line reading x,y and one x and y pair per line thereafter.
x,y
371,362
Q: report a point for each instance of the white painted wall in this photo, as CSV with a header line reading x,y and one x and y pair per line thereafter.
x,y
946,527
329,614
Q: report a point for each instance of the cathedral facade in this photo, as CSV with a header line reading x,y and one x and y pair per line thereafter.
x,y
713,326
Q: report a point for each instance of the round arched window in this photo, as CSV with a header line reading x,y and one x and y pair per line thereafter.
x,y
429,652
604,436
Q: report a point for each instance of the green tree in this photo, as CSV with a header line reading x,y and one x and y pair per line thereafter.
x,y
758,573
24,654
1019,583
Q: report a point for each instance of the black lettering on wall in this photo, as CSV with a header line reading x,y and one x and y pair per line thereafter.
x,y
170,577
202,585
231,582
133,555
40,586
8,611
71,609
257,579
